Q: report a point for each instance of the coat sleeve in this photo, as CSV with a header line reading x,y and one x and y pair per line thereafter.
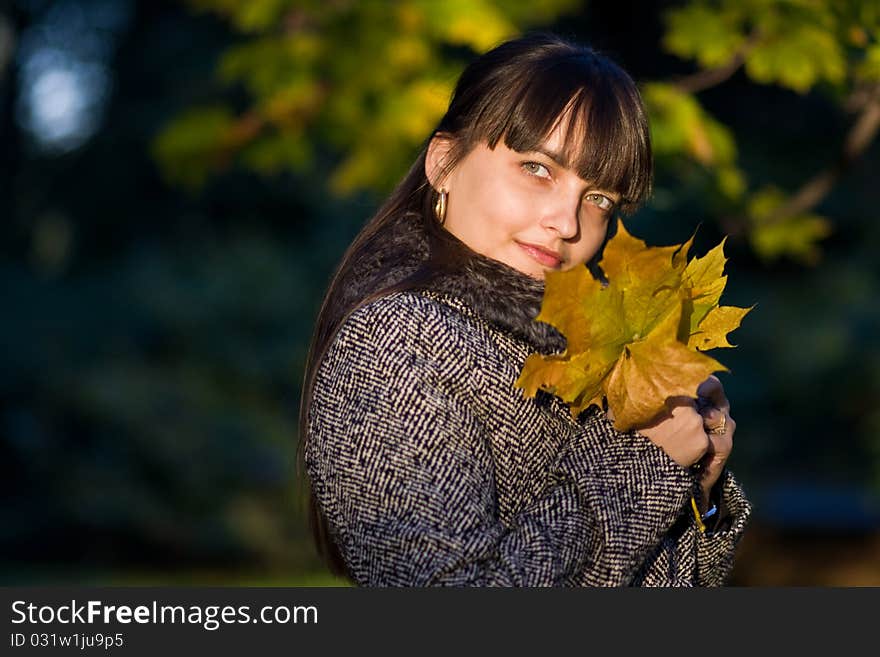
x,y
636,495
400,464
688,557
716,548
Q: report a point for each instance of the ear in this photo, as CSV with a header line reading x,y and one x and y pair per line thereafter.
x,y
435,159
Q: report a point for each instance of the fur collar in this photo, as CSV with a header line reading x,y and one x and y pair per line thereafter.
x,y
503,296
496,292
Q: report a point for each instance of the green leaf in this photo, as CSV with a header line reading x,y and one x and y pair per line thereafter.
x,y
711,35
869,68
797,56
680,126
194,145
249,16
796,237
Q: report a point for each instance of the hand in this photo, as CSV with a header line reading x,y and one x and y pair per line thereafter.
x,y
683,432
680,432
715,410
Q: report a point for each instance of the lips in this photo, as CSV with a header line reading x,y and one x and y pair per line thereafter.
x,y
542,255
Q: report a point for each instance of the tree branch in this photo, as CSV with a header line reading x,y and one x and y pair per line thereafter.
x,y
860,136
708,78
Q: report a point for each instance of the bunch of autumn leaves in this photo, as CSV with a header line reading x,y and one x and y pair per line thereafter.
x,y
639,339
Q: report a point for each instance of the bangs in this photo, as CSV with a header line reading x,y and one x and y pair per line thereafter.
x,y
597,107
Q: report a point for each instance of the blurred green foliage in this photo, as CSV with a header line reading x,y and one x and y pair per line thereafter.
x,y
797,44
685,136
368,80
182,371
794,43
361,78
153,340
795,235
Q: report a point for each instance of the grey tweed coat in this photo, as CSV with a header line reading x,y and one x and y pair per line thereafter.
x,y
433,469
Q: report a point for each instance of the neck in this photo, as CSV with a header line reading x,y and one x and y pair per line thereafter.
x,y
498,293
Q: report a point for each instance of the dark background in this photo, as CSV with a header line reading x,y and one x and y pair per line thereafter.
x,y
153,339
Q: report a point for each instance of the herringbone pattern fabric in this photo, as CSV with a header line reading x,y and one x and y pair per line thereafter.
x,y
432,469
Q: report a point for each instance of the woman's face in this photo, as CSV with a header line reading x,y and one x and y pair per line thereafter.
x,y
525,209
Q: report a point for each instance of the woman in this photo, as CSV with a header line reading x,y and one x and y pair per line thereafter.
x,y
427,466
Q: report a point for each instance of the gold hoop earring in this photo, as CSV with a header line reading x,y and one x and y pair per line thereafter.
x,y
440,206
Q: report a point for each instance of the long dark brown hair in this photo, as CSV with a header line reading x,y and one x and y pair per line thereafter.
x,y
516,92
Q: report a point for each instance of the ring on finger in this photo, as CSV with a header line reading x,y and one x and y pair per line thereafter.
x,y
720,428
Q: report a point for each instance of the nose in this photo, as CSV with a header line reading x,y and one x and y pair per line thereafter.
x,y
561,215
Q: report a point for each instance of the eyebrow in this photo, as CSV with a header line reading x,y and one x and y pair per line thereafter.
x,y
560,161
556,157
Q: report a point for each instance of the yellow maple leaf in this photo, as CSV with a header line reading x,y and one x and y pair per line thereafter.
x,y
713,330
704,283
636,341
704,278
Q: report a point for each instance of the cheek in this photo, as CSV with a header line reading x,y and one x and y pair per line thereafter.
x,y
591,242
514,214
501,206
519,204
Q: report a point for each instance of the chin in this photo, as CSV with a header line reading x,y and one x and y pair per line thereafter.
x,y
526,266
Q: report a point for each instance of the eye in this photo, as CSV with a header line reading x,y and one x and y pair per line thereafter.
x,y
601,200
536,169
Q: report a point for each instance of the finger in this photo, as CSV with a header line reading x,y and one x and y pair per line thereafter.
x,y
707,456
710,388
674,408
721,444
711,450
681,400
713,390
714,420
